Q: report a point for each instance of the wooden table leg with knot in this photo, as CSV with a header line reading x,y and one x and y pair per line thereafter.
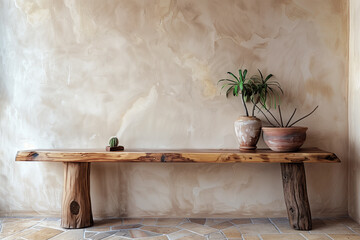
x,y
295,194
76,204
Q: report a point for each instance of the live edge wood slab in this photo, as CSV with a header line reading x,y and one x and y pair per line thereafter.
x,y
76,203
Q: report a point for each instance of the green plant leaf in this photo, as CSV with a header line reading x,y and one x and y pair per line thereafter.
x,y
244,74
273,83
273,97
225,79
261,75
233,75
228,91
236,93
268,77
225,85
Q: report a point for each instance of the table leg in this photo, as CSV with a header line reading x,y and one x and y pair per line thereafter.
x,y
76,204
295,193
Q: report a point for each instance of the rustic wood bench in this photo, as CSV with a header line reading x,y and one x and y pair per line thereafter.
x,y
76,204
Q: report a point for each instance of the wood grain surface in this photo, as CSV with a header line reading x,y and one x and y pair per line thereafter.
x,y
295,195
311,155
76,204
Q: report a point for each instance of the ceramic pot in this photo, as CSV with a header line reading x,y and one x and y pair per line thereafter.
x,y
284,139
248,131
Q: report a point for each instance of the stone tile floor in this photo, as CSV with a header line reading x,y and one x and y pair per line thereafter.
x,y
179,228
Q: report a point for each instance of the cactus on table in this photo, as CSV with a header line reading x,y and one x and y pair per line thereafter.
x,y
113,142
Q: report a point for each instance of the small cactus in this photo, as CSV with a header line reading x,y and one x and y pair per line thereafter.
x,y
113,142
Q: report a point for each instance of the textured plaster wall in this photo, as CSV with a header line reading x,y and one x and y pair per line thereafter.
x,y
74,73
354,112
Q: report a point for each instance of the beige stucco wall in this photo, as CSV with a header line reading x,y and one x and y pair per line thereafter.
x,y
74,73
354,112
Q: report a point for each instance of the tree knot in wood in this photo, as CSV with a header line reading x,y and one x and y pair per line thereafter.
x,y
331,157
286,178
33,154
74,208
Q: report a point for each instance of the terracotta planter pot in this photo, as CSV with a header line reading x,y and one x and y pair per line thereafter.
x,y
248,131
284,139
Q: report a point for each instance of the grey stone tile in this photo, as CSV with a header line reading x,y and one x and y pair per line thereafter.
x,y
102,235
74,234
260,220
201,221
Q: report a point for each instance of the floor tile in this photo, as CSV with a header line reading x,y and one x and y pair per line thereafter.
x,y
149,221
50,223
44,234
25,219
180,229
279,220
89,234
102,235
132,220
344,236
260,220
192,237
12,227
184,234
315,236
113,237
136,233
251,237
238,221
332,229
216,236
285,227
213,221
160,230
170,221
349,222
198,220
75,234
178,234
222,225
198,228
282,237
263,228
232,232
131,226
21,234
157,238
108,222
342,220
98,229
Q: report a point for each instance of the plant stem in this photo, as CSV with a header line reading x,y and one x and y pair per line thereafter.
x,y
282,124
265,116
253,109
304,117
246,110
290,118
272,116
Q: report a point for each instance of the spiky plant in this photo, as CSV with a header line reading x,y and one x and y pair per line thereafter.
x,y
265,91
114,142
257,89
237,86
280,122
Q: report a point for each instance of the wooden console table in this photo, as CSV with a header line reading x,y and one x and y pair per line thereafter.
x,y
76,203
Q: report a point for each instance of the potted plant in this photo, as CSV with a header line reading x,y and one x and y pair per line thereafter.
x,y
257,90
281,137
